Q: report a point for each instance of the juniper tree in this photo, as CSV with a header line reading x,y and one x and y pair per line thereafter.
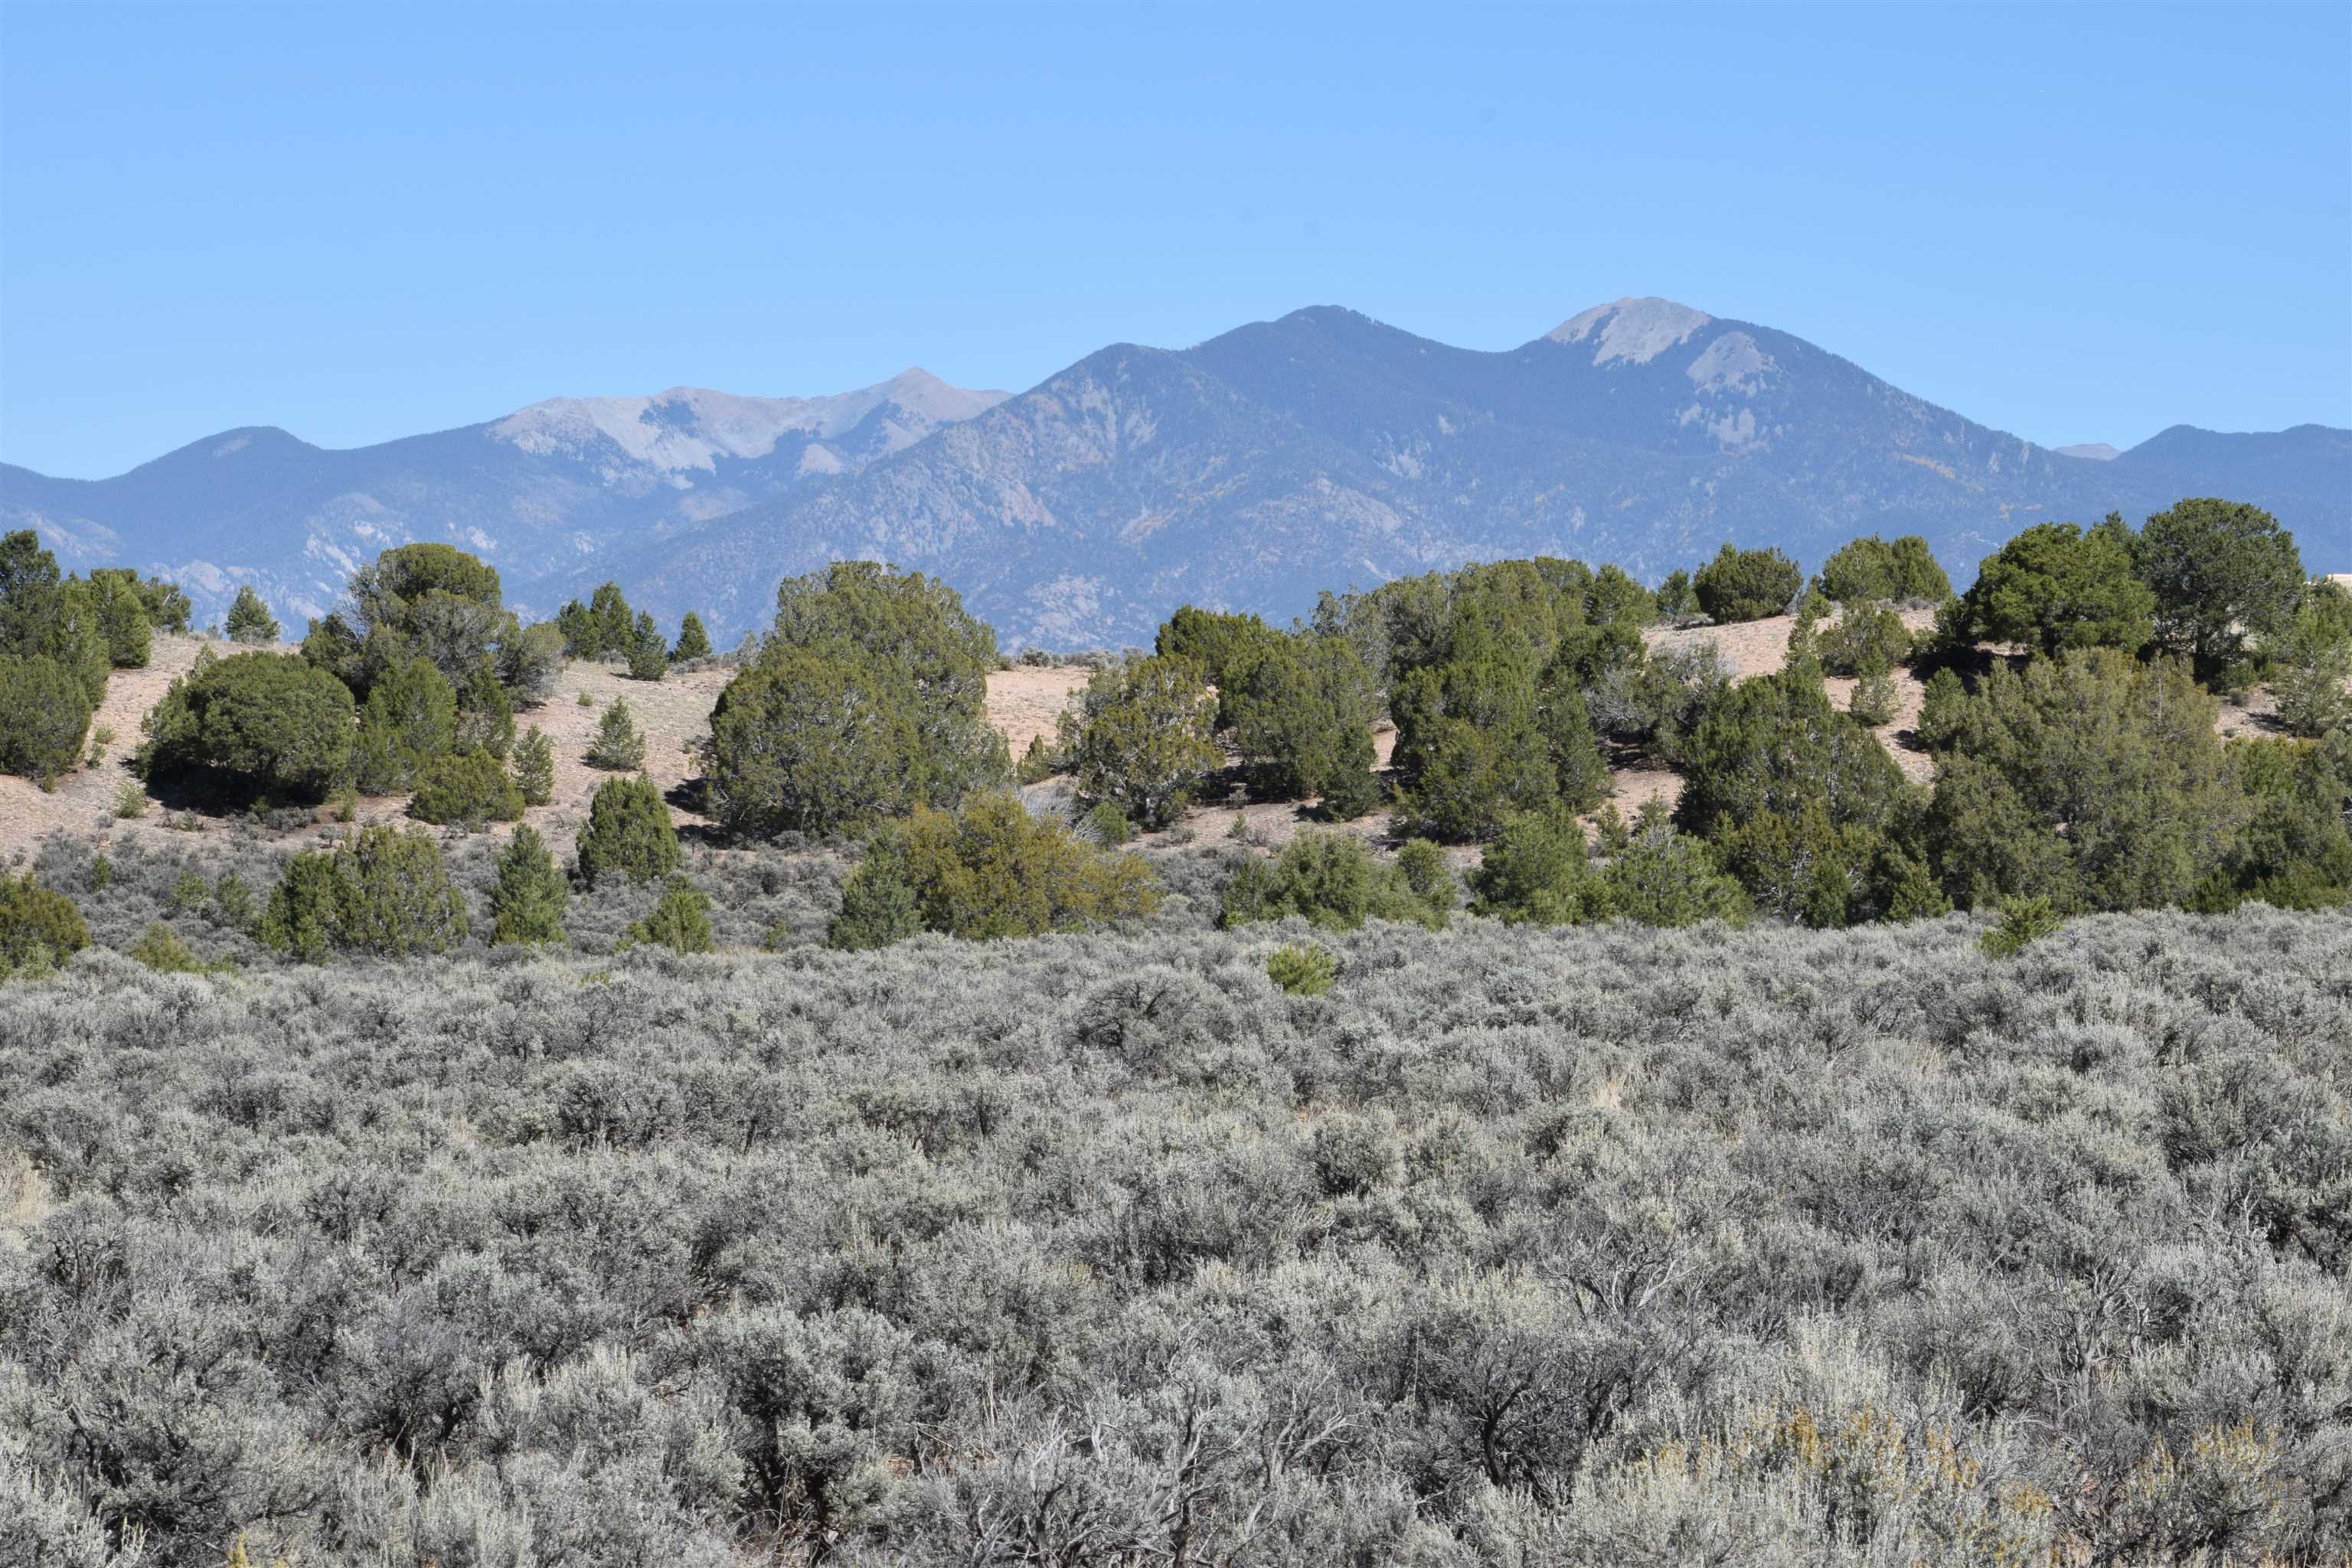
x,y
1138,737
648,654
681,921
693,642
262,723
526,900
534,767
1746,585
627,834
249,620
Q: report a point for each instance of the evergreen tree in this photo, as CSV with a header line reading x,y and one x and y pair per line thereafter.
x,y
648,654
249,620
2220,571
2092,779
381,891
877,902
263,723
619,747
1297,707
410,717
484,712
681,921
1747,584
989,869
2056,587
1139,736
628,834
123,615
44,717
693,642
527,901
468,787
534,767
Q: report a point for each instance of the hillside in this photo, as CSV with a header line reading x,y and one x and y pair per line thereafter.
x,y
1247,472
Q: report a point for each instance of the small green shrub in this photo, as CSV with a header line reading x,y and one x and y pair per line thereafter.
x,y
534,767
39,928
2022,922
161,949
528,900
43,716
1302,970
1107,826
1038,762
628,833
131,800
649,653
468,788
1329,879
586,701
877,902
619,745
379,891
1747,584
681,921
1874,701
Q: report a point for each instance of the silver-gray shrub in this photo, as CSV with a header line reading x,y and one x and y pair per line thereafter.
x,y
1590,1245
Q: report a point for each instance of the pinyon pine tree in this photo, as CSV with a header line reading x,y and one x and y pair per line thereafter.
x,y
619,746
249,620
628,833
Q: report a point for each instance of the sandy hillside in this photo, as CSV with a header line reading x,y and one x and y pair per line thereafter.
x,y
1022,703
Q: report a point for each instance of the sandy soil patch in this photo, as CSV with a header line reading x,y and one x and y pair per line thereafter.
x,y
1024,702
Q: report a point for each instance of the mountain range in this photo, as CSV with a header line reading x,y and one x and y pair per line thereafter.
x,y
1324,449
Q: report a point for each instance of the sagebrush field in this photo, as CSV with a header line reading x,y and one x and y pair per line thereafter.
x,y
1597,1246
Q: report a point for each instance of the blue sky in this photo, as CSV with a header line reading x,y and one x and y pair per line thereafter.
x,y
2074,224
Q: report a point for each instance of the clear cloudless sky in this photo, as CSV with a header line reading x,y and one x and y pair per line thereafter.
x,y
359,223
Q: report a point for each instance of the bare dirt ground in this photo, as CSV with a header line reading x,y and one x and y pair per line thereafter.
x,y
1024,702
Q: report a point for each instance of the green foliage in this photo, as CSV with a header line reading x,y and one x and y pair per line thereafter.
x,y
1540,871
2312,665
2092,781
681,921
2220,571
604,625
485,713
1224,646
528,900
2023,922
628,833
814,742
1038,762
1535,871
44,615
164,607
1870,569
123,617
1675,598
869,696
1944,710
381,892
1301,711
534,767
649,653
2294,851
989,869
161,949
1484,737
1422,868
1302,969
693,642
39,928
1775,743
468,787
1328,879
877,902
130,801
619,745
233,901
44,717
1138,737
529,660
1106,826
1874,700
1747,584
249,620
2057,587
410,717
261,722
1868,638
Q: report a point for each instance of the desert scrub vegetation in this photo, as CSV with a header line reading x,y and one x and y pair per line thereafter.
x,y
1586,1246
